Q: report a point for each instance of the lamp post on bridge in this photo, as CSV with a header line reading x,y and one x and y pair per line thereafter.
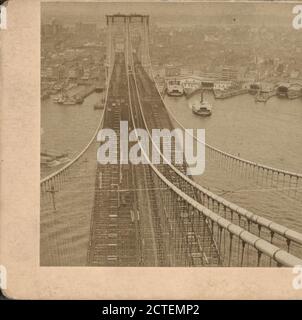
x,y
52,191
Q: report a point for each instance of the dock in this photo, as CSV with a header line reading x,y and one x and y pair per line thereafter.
x,y
80,96
220,94
264,96
190,92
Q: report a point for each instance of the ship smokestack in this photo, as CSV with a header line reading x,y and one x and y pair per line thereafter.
x,y
201,96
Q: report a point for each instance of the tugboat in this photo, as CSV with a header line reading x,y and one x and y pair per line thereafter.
x,y
282,90
66,100
69,101
203,108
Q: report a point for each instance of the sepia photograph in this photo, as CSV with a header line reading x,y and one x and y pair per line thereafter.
x,y
170,134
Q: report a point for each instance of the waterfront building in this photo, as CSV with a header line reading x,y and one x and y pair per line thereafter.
x,y
229,73
222,85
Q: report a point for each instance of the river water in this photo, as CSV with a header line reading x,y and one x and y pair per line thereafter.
x,y
268,133
68,128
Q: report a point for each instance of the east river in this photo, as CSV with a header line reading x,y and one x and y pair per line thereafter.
x,y
269,133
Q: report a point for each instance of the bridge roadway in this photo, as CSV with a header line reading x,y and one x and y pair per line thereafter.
x,y
113,239
126,226
122,232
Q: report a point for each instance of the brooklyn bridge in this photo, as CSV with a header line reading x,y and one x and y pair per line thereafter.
x,y
155,214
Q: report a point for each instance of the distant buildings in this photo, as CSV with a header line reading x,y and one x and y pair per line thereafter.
x,y
229,73
51,29
71,55
172,71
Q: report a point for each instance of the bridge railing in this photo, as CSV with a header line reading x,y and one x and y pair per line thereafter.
x,y
237,246
222,225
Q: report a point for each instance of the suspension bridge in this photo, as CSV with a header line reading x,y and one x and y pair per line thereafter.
x,y
155,215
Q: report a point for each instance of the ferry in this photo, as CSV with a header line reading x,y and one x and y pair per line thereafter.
x,y
282,90
174,88
202,108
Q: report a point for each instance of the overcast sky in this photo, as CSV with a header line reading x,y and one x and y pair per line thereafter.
x,y
250,13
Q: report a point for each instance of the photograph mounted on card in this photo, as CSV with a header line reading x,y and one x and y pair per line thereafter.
x,y
158,141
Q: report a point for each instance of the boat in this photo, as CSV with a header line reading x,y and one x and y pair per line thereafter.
x,y
69,102
282,90
65,100
265,93
78,99
202,108
174,88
